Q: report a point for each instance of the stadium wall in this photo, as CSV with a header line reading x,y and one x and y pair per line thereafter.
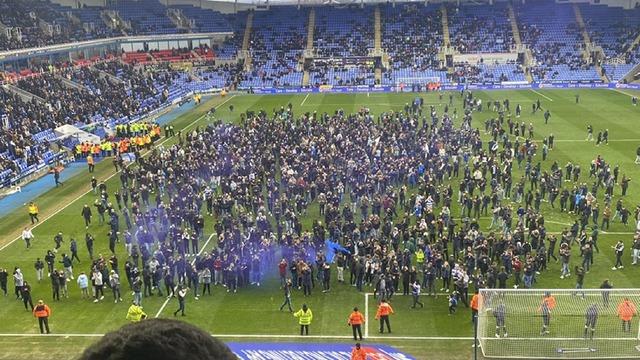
x,y
78,3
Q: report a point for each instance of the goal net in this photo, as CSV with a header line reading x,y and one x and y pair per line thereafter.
x,y
559,323
420,83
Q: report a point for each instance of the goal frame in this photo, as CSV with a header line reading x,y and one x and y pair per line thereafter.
x,y
482,334
407,82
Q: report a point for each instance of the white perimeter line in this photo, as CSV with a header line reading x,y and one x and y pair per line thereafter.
x,y
305,99
541,94
592,142
366,315
624,93
192,262
263,336
556,339
105,180
377,104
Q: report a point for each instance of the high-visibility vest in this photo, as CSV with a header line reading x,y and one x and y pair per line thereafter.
x,y
41,311
135,313
33,209
304,318
358,354
356,318
474,302
384,310
626,310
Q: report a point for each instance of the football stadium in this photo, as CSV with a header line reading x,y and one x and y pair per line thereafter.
x,y
322,180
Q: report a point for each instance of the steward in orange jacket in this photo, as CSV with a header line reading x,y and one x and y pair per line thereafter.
x,y
475,304
42,312
358,353
356,319
384,310
626,311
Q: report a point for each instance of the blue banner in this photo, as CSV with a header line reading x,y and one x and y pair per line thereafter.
x,y
301,351
448,87
332,248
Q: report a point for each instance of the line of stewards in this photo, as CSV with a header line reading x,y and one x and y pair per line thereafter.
x,y
111,147
136,129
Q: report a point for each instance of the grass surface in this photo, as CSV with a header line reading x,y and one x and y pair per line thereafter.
x,y
254,311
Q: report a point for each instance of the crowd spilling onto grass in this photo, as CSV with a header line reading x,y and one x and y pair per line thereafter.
x,y
399,196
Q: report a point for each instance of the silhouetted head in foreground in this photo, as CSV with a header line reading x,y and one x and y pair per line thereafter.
x,y
158,339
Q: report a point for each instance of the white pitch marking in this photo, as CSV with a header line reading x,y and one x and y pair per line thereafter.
x,y
366,315
192,262
588,142
623,93
305,99
541,94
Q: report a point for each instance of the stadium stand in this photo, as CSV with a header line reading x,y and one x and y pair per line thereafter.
x,y
146,16
480,29
277,42
205,20
551,33
412,36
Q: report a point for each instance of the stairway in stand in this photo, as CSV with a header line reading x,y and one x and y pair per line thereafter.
x,y
587,41
311,26
446,37
377,41
516,37
246,40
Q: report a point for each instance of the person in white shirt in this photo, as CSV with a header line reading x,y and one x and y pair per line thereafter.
x,y
415,292
98,284
27,236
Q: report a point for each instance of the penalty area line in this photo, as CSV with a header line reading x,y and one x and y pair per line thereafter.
x,y
305,99
166,302
541,94
623,92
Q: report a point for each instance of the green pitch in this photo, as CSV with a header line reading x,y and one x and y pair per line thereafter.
x,y
426,333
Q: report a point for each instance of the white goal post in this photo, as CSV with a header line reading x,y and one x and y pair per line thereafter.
x,y
559,323
405,84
